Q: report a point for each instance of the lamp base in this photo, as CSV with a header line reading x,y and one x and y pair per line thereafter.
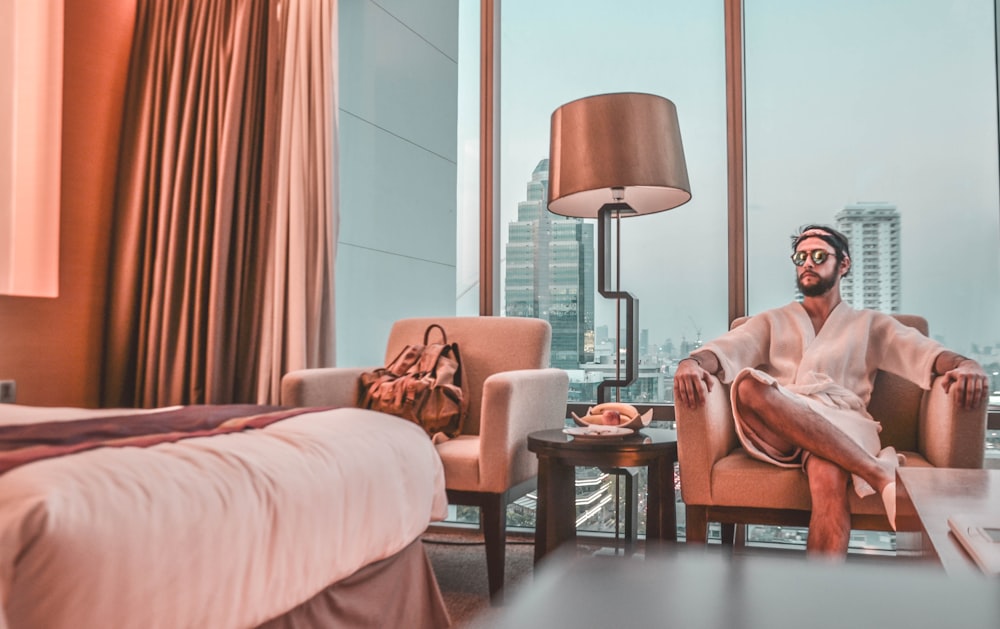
x,y
604,216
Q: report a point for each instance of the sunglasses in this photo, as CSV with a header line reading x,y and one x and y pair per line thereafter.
x,y
818,256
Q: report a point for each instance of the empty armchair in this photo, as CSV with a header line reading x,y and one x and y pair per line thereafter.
x,y
721,483
512,392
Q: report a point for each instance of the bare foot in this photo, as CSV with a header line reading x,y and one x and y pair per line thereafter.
x,y
888,460
889,502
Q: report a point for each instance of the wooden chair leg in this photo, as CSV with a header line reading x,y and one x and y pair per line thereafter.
x,y
740,535
728,533
493,519
696,524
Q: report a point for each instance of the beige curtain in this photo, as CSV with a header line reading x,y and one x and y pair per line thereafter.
x,y
222,257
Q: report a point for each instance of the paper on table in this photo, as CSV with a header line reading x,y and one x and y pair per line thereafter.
x,y
979,534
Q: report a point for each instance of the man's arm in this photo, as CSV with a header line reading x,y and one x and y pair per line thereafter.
x,y
964,373
692,374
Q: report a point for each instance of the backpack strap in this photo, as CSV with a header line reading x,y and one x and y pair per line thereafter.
x,y
427,333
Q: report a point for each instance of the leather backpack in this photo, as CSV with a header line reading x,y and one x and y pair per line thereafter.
x,y
422,384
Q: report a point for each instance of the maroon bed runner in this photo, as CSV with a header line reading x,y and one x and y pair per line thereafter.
x,y
20,444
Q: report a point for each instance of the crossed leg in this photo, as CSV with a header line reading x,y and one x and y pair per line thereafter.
x,y
787,424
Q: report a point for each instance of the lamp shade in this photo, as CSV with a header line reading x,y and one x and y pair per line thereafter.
x,y
630,141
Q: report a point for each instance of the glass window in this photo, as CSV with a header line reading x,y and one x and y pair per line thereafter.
x,y
673,262
879,118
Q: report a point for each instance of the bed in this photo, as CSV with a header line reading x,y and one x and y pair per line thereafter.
x,y
312,521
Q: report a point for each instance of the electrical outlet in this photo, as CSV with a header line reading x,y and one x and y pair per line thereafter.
x,y
8,391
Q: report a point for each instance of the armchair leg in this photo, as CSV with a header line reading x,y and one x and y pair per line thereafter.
x,y
696,524
728,533
493,518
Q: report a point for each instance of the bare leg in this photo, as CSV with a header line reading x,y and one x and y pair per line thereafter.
x,y
786,424
830,522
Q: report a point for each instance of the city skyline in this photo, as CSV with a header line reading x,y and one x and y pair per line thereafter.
x,y
872,228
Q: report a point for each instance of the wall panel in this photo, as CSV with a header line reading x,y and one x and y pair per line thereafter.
x,y
396,250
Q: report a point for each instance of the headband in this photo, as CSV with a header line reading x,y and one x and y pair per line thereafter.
x,y
830,236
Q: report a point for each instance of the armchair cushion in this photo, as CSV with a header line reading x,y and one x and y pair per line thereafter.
x,y
460,457
742,481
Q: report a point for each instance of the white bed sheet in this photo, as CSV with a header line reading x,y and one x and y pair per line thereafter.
x,y
223,531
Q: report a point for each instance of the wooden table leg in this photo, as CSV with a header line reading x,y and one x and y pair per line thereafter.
x,y
661,510
555,516
911,539
631,508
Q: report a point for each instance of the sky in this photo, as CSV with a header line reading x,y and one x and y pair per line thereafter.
x,y
846,102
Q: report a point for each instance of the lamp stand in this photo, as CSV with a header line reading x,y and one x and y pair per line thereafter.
x,y
604,216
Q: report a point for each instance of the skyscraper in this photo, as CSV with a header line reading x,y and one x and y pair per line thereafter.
x,y
550,273
875,280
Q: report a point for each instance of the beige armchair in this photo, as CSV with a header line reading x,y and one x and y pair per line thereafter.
x,y
721,483
512,392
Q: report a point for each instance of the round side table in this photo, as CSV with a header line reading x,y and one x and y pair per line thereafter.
x,y
558,456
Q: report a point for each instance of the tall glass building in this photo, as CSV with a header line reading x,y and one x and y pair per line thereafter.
x,y
875,280
550,273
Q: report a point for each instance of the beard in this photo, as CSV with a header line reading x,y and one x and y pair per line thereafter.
x,y
823,285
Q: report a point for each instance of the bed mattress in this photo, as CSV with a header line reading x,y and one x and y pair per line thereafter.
x,y
223,531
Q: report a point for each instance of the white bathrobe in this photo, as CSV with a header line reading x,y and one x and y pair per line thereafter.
x,y
833,371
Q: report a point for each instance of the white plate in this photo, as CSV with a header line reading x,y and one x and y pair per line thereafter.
x,y
593,431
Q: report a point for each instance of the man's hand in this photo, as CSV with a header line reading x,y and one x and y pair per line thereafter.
x,y
691,383
972,384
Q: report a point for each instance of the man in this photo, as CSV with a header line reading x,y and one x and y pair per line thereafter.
x,y
801,377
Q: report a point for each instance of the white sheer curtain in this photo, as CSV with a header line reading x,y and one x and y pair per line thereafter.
x,y
298,320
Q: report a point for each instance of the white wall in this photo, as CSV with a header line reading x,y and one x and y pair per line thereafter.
x,y
396,249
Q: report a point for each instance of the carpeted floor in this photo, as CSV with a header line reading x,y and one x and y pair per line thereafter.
x,y
459,560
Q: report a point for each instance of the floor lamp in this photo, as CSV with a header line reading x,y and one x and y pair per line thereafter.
x,y
615,156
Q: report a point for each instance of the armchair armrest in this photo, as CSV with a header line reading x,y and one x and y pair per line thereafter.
x,y
704,435
949,435
332,386
516,403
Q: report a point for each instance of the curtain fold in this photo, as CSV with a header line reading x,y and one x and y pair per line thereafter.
x,y
203,255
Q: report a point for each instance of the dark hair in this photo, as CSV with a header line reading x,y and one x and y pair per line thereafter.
x,y
829,235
